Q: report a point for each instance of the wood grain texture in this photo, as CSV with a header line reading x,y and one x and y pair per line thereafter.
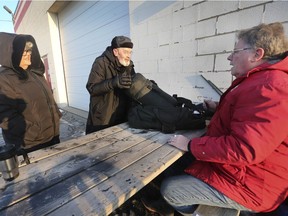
x,y
90,175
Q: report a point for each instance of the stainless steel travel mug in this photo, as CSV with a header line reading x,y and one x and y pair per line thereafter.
x,y
9,162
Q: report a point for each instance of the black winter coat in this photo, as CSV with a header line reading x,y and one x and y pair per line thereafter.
x,y
29,115
108,106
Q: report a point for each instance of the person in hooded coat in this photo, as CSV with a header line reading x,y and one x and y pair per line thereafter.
x,y
109,77
29,115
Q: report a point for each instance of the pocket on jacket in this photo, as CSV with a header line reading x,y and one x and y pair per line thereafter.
x,y
98,108
32,132
235,175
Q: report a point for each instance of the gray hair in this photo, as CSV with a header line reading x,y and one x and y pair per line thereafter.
x,y
271,37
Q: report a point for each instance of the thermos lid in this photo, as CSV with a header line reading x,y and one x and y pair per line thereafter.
x,y
7,151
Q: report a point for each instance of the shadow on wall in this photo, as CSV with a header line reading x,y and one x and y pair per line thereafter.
x,y
148,9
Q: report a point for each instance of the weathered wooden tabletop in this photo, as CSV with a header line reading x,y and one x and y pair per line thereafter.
x,y
89,175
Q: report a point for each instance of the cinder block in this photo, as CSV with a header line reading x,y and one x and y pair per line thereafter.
x,y
198,64
276,12
206,28
190,3
189,32
140,55
155,53
147,67
217,44
165,38
160,24
139,31
246,4
188,49
178,6
163,52
167,66
240,20
177,35
184,17
176,51
209,9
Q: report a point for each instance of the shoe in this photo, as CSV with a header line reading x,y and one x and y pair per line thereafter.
x,y
158,206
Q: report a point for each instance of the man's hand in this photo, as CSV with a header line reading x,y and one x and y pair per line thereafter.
x,y
180,142
210,105
122,81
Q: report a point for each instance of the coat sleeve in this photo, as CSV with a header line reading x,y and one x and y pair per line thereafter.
x,y
98,84
11,109
258,126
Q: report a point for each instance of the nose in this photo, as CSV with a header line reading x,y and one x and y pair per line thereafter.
x,y
229,58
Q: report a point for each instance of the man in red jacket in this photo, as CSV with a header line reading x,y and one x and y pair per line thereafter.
x,y
241,162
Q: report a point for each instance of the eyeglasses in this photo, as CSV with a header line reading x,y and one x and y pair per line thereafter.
x,y
26,52
125,52
239,50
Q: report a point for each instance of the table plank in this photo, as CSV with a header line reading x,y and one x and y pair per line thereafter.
x,y
64,191
58,179
70,144
57,168
113,192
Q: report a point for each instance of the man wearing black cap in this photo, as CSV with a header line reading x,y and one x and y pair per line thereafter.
x,y
109,77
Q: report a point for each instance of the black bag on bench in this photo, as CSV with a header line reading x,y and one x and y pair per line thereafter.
x,y
155,109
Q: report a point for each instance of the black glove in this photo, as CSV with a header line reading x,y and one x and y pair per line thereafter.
x,y
122,81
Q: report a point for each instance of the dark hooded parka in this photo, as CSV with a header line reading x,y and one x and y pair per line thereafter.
x,y
29,116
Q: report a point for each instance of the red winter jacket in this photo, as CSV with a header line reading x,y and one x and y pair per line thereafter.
x,y
245,151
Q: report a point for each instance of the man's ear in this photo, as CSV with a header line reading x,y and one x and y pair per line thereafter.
x,y
259,54
115,52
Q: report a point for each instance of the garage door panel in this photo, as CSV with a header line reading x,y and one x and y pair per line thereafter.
x,y
76,81
76,89
94,18
91,45
86,29
73,11
75,98
83,68
90,33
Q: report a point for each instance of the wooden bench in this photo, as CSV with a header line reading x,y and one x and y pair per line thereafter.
x,y
204,210
89,175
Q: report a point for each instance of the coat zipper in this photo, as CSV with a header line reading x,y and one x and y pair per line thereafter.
x,y
47,99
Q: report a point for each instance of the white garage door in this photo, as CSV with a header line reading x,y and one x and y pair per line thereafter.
x,y
86,29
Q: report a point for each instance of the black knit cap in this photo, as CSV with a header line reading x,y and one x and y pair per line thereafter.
x,y
121,41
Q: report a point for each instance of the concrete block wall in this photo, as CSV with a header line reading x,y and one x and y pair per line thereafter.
x,y
178,41
175,42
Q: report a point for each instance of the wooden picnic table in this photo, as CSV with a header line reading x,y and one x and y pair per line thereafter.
x,y
89,175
